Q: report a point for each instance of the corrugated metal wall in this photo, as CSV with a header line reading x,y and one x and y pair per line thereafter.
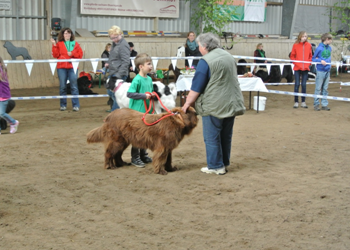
x,y
25,21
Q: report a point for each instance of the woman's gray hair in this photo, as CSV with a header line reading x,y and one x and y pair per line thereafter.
x,y
208,41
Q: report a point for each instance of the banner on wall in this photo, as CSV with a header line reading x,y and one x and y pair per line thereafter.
x,y
247,10
144,8
5,5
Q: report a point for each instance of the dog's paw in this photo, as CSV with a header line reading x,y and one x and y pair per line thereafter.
x,y
171,169
163,172
110,167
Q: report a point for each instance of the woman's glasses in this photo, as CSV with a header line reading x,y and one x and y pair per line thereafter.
x,y
114,37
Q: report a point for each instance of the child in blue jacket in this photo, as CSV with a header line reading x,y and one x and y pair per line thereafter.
x,y
322,55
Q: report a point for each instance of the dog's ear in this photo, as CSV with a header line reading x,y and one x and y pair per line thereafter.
x,y
156,89
190,120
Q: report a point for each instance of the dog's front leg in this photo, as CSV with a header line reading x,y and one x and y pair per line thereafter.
x,y
159,160
168,166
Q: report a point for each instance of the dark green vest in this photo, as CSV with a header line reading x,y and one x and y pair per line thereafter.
x,y
222,97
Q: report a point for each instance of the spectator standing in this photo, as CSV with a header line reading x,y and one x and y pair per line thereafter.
x,y
322,56
191,48
301,51
133,53
67,48
118,62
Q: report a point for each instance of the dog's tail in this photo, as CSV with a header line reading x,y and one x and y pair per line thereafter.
x,y
95,135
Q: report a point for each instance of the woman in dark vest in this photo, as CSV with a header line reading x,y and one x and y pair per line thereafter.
x,y
259,52
218,99
191,48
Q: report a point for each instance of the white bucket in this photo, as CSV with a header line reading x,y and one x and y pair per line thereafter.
x,y
262,102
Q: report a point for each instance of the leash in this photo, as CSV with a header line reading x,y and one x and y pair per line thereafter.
x,y
148,109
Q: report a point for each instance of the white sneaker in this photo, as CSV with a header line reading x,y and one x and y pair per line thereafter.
x,y
303,105
296,105
75,109
14,127
63,108
219,171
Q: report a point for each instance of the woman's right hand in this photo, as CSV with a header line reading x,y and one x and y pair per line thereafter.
x,y
53,41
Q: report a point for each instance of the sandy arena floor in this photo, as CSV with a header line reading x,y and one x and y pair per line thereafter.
x,y
287,185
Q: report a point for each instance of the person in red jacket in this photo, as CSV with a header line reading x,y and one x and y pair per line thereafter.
x,y
301,51
67,48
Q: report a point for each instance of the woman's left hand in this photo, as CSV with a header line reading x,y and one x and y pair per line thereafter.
x,y
69,53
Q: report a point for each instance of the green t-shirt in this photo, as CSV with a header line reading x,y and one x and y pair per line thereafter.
x,y
140,85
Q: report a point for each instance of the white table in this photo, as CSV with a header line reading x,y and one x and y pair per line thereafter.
x,y
184,83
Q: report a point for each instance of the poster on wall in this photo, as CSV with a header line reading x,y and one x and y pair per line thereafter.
x,y
144,8
247,10
5,5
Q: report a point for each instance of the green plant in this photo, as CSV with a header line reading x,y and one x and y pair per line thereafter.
x,y
211,15
340,21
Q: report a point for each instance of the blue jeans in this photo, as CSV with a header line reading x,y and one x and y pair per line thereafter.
x,y
112,95
322,80
4,115
304,75
63,76
217,135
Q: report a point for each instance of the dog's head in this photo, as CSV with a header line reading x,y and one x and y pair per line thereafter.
x,y
6,44
189,119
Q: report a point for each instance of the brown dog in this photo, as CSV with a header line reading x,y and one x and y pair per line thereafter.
x,y
125,126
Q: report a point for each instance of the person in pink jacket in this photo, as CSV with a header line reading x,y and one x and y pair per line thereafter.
x,y
5,96
301,51
67,48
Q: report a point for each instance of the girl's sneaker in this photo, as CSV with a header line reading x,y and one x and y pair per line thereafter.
x,y
303,105
14,127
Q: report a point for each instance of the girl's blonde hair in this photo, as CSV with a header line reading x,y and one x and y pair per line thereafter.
x,y
301,33
257,46
3,75
115,30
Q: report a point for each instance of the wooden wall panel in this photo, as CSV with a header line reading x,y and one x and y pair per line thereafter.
x,y
41,76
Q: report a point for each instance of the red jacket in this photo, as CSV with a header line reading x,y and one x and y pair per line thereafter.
x,y
60,52
301,52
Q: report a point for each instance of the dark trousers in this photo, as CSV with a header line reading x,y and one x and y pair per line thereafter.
x,y
138,152
304,75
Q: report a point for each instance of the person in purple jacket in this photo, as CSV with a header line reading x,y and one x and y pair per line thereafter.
x,y
5,96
